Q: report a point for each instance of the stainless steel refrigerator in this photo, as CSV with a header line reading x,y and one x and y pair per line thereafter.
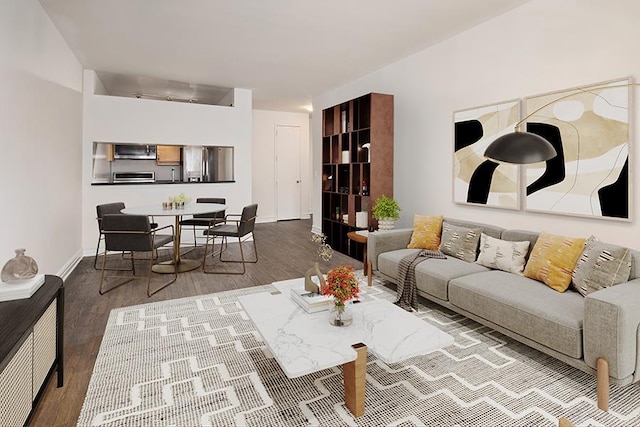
x,y
208,164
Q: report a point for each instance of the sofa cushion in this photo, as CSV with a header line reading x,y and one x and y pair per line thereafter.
x,y
432,275
552,260
488,229
502,254
460,242
524,306
600,266
426,232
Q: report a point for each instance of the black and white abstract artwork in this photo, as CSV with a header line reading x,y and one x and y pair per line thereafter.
x,y
476,179
589,128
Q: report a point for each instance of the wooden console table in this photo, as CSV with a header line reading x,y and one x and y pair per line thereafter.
x,y
31,349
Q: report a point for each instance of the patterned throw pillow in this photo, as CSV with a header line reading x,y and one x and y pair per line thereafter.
x,y
552,260
601,266
502,254
460,242
426,232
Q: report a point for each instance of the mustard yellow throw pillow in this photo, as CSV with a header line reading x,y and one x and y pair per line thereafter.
x,y
552,260
426,232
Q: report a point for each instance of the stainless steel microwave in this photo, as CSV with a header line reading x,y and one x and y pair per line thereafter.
x,y
134,151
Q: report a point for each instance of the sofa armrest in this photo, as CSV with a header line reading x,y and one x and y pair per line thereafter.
x,y
386,241
611,320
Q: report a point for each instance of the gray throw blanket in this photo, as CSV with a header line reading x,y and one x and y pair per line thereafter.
x,y
407,296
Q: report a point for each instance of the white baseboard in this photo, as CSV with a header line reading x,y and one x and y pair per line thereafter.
x,y
68,268
263,219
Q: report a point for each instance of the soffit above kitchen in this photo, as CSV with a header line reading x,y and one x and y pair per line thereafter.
x,y
162,89
285,51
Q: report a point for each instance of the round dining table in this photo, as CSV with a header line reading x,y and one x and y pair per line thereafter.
x,y
177,264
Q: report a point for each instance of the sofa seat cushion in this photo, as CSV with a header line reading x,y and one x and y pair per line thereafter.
x,y
432,275
524,306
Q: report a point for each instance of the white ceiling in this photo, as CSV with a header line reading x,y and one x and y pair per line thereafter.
x,y
286,51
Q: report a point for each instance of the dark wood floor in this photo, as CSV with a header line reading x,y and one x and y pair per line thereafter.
x,y
285,252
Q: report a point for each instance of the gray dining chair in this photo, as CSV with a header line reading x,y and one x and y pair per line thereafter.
x,y
132,233
239,228
204,220
101,211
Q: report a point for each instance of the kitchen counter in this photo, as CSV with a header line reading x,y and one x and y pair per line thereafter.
x,y
156,182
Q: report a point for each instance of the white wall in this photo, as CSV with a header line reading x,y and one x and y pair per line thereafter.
x,y
119,119
542,46
264,152
40,136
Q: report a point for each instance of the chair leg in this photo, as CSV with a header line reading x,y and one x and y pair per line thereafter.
x,y
102,291
95,260
204,257
255,252
242,260
149,273
102,276
195,243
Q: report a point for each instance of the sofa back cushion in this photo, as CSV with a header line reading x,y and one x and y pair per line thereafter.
x,y
521,235
635,264
489,230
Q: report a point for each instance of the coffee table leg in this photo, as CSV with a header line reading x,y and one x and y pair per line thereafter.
x,y
369,276
355,374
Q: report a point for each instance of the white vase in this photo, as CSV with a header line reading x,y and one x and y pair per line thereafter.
x,y
386,224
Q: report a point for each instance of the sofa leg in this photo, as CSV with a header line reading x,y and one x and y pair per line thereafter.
x,y
603,384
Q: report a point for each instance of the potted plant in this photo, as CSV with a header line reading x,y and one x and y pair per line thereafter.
x,y
341,284
386,210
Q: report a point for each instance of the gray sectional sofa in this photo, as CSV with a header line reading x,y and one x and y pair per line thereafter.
x,y
598,334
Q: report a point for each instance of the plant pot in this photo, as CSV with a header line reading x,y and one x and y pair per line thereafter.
x,y
386,224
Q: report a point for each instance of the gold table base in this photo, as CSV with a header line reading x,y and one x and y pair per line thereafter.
x,y
169,267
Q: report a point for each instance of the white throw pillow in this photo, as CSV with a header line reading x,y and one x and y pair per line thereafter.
x,y
502,254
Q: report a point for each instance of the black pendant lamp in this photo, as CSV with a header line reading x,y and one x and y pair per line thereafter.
x,y
520,148
523,148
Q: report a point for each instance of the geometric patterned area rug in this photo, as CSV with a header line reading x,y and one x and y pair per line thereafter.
x,y
200,361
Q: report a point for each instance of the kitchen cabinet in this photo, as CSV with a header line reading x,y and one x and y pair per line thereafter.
x,y
110,155
168,154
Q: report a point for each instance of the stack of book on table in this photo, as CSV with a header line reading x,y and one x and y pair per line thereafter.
x,y
310,302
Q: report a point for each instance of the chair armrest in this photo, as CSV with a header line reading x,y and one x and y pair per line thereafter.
x,y
232,215
155,230
386,241
611,320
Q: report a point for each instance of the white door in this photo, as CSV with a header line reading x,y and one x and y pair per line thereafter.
x,y
288,186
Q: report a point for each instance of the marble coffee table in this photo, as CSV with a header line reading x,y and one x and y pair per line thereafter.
x,y
304,343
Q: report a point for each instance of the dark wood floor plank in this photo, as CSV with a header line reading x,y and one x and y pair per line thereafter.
x,y
285,251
